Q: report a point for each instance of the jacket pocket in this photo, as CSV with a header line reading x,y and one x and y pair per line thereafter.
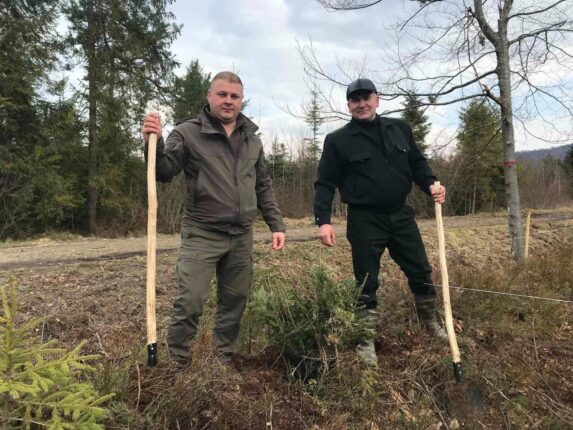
x,y
399,164
359,157
357,169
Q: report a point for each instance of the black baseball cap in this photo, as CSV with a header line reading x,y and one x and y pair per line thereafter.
x,y
361,84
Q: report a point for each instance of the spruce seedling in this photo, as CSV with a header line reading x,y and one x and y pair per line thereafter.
x,y
40,383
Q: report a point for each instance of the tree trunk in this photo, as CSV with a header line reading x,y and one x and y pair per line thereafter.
x,y
474,195
516,233
92,124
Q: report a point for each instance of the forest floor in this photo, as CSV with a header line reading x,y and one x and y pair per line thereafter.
x,y
519,351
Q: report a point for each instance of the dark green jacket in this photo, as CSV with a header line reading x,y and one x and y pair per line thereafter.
x,y
224,188
373,175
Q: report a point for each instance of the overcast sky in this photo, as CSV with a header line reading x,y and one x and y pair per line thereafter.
x,y
258,40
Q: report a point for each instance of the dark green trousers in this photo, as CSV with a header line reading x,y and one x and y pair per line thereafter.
x,y
203,253
370,233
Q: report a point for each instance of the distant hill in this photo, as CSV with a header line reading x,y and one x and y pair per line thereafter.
x,y
558,152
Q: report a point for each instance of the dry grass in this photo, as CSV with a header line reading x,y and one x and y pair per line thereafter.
x,y
521,357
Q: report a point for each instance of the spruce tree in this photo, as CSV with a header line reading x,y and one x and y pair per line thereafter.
x,y
37,191
190,92
314,119
415,115
27,55
481,158
277,160
123,48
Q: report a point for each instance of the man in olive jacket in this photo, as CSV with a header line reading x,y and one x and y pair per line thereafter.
x,y
226,183
373,161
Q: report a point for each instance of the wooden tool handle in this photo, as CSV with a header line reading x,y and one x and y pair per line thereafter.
x,y
151,238
446,283
527,231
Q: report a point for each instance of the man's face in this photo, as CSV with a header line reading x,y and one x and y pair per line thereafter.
x,y
362,105
225,100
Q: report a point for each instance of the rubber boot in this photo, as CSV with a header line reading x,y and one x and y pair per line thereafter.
x,y
426,310
365,350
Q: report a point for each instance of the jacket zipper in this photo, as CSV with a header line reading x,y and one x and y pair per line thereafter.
x,y
236,175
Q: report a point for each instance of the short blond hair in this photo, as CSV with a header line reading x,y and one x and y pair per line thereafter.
x,y
227,76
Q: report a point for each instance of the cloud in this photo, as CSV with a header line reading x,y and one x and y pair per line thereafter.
x,y
258,39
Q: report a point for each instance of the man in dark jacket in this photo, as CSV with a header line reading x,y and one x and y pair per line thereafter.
x,y
373,160
226,183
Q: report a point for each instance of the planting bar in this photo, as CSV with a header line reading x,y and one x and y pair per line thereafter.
x,y
151,251
446,293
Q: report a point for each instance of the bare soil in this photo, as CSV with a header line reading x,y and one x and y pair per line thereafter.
x,y
488,232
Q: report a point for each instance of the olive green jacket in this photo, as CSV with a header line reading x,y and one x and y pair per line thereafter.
x,y
224,187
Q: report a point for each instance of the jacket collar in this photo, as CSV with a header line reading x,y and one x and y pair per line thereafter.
x,y
210,124
354,128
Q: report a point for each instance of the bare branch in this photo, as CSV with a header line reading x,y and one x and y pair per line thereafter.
x,y
312,66
479,15
347,4
551,28
415,15
535,12
527,130
449,90
558,48
504,15
488,93
541,90
437,39
448,102
459,73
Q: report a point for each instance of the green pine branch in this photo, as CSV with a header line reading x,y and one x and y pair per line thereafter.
x,y
41,384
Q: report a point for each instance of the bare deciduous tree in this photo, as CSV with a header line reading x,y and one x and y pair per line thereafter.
x,y
455,50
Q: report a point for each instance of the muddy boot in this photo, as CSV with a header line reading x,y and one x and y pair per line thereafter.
x,y
365,350
426,310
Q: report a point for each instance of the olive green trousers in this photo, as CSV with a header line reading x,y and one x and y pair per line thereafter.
x,y
204,252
